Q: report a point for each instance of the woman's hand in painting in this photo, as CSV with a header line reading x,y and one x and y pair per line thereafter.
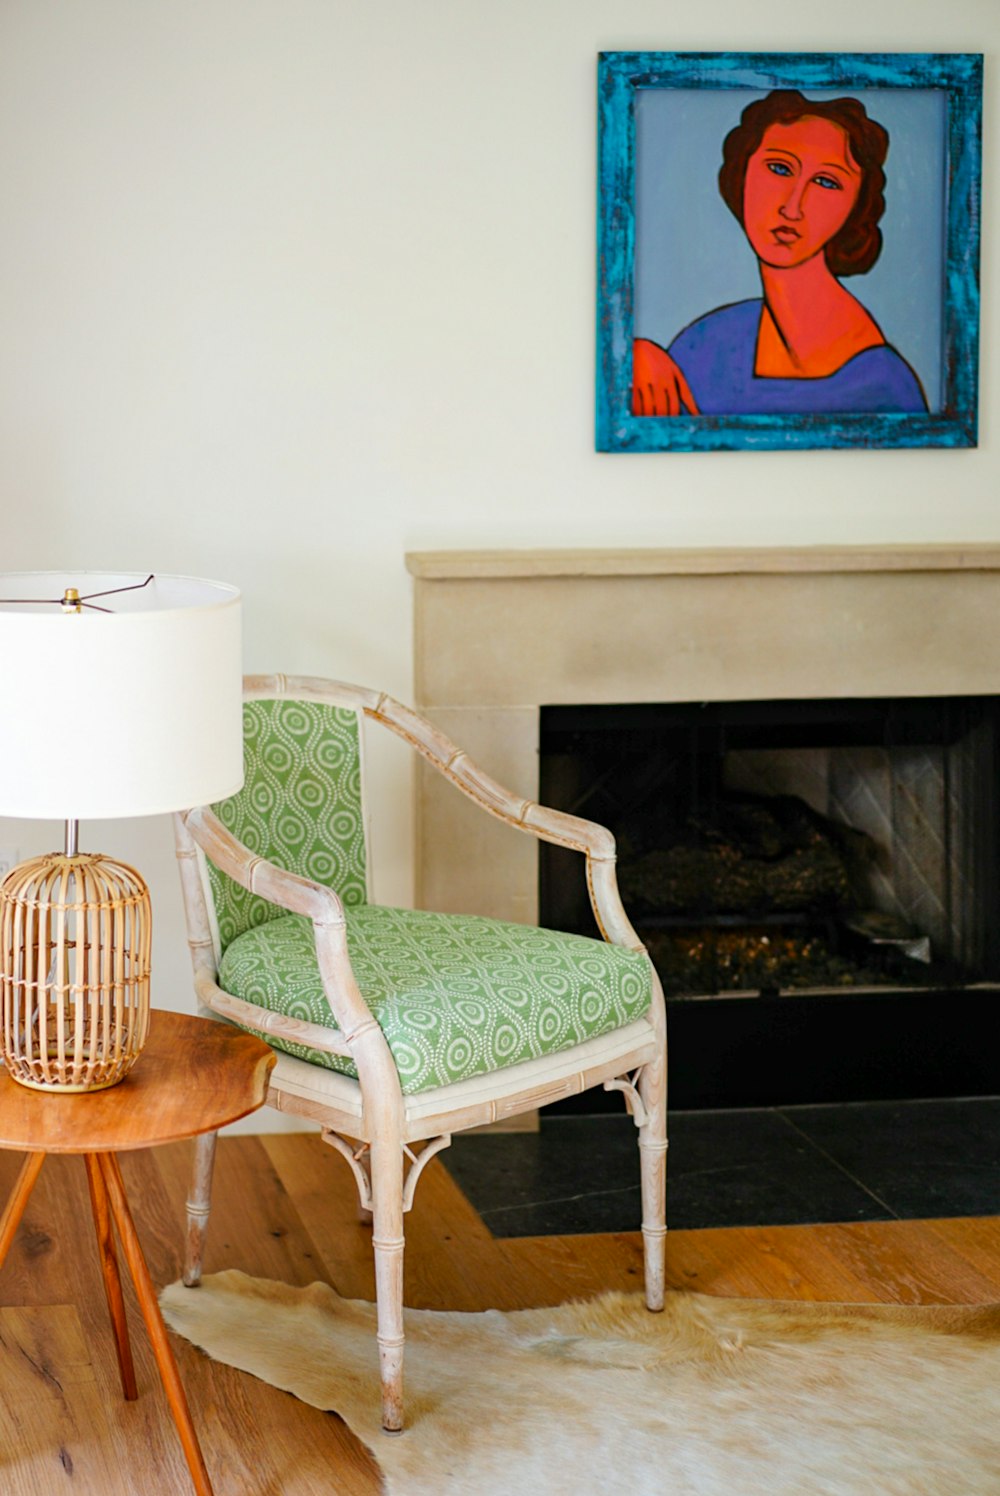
x,y
658,384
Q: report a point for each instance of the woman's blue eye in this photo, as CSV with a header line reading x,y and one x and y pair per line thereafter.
x,y
829,183
780,168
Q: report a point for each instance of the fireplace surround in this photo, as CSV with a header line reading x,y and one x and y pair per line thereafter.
x,y
501,635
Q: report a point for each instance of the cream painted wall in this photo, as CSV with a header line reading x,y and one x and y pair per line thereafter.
x,y
290,287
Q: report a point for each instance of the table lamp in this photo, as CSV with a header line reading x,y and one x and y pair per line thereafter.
x,y
121,696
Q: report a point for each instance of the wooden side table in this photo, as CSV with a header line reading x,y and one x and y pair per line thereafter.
x,y
193,1076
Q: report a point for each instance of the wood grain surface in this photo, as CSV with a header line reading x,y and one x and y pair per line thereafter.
x,y
194,1075
285,1207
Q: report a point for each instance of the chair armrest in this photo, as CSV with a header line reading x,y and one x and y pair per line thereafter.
x,y
455,764
298,895
263,1021
595,841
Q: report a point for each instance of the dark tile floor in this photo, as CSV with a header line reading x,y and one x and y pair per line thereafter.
x,y
861,1161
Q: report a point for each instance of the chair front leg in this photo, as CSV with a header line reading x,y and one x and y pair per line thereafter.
x,y
652,1087
199,1205
387,1241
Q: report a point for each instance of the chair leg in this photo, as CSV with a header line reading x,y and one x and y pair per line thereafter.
x,y
653,1174
199,1205
388,1244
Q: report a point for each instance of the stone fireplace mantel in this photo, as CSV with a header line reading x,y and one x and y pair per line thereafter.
x,y
499,634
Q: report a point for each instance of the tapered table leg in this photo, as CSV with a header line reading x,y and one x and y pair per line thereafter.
x,y
156,1329
112,1279
15,1206
194,1077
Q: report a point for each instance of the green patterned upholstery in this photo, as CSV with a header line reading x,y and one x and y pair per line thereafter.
x,y
300,806
455,995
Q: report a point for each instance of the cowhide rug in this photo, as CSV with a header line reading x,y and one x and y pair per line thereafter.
x,y
713,1397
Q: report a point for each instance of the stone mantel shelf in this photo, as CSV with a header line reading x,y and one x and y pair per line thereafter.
x,y
748,560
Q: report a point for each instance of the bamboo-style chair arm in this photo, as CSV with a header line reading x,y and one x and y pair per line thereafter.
x,y
268,1024
298,895
594,841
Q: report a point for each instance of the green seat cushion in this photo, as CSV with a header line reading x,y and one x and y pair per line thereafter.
x,y
455,995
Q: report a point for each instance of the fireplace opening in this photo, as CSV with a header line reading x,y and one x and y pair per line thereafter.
x,y
816,882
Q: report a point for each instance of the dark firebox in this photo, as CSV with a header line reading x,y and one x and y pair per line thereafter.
x,y
801,852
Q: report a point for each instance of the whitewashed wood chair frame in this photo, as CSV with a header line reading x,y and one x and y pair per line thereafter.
x,y
369,1120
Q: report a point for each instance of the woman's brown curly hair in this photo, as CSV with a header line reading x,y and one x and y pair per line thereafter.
x,y
858,244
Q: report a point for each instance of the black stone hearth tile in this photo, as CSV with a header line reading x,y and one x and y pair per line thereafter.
x,y
574,1215
922,1158
555,1181
581,1174
750,1168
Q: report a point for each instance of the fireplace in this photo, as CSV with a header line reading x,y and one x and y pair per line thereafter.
x,y
849,686
815,881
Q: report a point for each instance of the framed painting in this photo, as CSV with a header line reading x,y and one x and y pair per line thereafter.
x,y
788,250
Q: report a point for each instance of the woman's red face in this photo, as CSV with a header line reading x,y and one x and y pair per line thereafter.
x,y
801,184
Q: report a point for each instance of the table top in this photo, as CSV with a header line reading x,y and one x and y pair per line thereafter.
x,y
194,1075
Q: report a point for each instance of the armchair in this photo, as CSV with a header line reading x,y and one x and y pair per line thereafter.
x,y
400,1027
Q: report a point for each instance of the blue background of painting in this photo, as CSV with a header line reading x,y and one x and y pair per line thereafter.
x,y
691,254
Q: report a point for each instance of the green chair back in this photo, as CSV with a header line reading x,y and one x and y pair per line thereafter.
x,y
300,806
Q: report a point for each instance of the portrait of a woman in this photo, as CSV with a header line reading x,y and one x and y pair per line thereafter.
x,y
805,181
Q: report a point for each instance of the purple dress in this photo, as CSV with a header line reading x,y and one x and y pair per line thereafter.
x,y
717,355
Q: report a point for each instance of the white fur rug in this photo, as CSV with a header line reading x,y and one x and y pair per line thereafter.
x,y
713,1397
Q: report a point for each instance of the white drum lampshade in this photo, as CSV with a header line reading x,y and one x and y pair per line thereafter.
x,y
121,696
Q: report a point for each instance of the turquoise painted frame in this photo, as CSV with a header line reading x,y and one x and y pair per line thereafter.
x,y
620,75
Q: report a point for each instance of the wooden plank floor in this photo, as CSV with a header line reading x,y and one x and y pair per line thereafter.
x,y
285,1208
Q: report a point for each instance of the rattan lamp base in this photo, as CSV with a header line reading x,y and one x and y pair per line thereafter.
x,y
74,971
